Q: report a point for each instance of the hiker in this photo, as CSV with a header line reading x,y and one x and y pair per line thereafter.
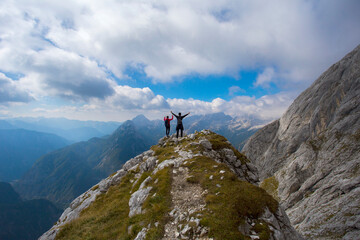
x,y
167,124
179,125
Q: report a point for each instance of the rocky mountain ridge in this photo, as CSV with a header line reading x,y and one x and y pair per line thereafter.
x,y
310,157
62,175
196,187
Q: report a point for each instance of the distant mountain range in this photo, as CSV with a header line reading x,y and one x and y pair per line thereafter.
x,y
19,149
72,130
62,175
24,220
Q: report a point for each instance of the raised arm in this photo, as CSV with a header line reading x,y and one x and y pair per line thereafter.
x,y
173,114
186,114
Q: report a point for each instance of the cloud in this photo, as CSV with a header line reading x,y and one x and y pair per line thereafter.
x,y
235,89
10,91
176,38
69,49
267,107
265,78
127,98
127,102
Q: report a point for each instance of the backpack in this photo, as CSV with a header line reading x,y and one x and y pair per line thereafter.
x,y
167,123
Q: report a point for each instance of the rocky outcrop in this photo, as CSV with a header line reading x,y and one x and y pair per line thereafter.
x,y
84,200
196,187
313,151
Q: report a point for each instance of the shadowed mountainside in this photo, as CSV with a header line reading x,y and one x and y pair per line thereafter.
x,y
24,220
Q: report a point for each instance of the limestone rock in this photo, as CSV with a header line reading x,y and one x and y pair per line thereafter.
x,y
313,151
141,235
136,201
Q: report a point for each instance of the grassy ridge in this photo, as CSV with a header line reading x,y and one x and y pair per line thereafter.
x,y
108,216
229,200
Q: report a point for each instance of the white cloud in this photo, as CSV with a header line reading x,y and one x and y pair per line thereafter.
x,y
235,89
127,98
10,91
67,48
265,78
267,107
128,102
175,38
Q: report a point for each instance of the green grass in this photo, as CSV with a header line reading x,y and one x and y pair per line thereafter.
x,y
229,205
219,142
107,217
271,185
164,153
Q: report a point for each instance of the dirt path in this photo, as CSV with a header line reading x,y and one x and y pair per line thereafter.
x,y
187,199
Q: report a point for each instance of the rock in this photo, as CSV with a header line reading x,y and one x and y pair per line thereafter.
x,y
146,181
191,136
185,230
141,235
206,144
313,151
137,199
148,164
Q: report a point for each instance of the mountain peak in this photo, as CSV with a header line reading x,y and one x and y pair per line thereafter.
x,y
140,119
198,186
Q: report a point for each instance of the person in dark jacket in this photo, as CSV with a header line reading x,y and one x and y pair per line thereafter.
x,y
179,125
167,124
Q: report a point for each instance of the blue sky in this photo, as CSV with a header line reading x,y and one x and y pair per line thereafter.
x,y
111,60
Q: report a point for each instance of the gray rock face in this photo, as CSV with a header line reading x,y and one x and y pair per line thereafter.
x,y
313,151
137,199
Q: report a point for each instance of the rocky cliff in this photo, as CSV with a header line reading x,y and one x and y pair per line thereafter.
x,y
196,187
309,159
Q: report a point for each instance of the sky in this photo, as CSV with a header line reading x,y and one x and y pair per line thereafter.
x,y
114,59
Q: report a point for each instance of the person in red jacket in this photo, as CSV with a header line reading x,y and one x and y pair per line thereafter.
x,y
167,124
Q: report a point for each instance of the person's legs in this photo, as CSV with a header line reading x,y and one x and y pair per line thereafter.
x,y
177,131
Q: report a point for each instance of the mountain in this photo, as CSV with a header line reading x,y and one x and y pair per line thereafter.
x,y
197,187
23,220
7,194
19,149
62,175
73,130
237,130
5,125
310,157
